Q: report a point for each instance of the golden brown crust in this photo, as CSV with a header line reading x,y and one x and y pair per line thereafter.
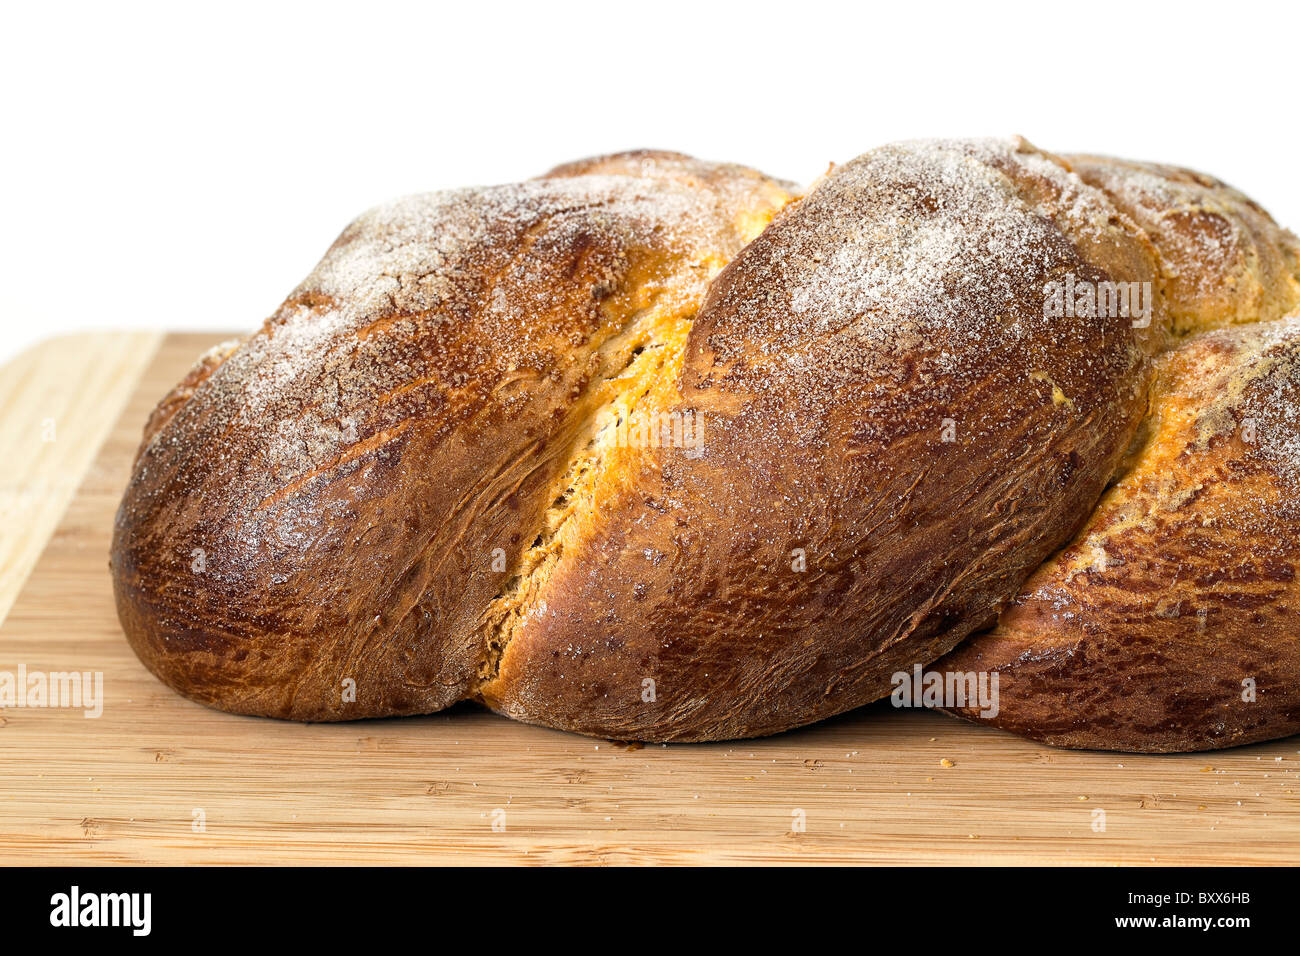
x,y
828,534
341,499
737,187
434,474
171,403
1169,623
1223,259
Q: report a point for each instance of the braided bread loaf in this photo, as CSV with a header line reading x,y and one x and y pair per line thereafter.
x,y
652,448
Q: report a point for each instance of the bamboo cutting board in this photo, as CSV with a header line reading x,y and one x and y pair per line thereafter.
x,y
157,779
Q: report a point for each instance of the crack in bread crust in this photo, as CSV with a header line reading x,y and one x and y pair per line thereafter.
x,y
906,287
346,473
644,358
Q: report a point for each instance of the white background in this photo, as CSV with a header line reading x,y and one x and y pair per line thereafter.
x,y
165,167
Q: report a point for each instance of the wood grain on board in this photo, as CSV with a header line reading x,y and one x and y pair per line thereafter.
x,y
57,402
157,779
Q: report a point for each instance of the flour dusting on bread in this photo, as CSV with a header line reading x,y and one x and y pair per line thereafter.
x,y
414,478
